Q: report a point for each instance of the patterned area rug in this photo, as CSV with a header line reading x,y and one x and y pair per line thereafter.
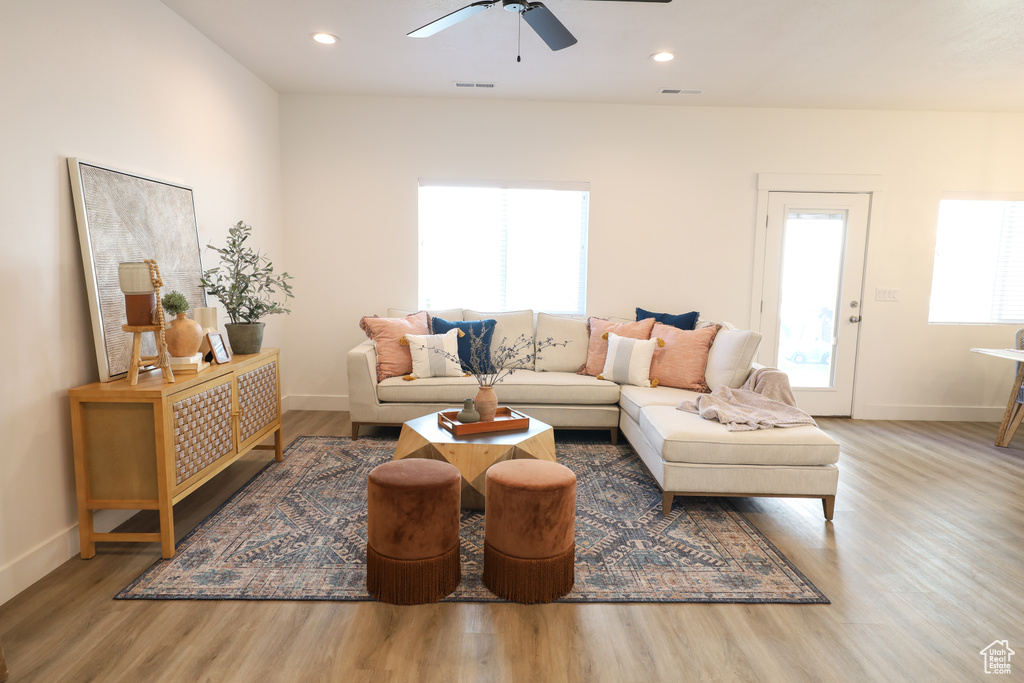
x,y
297,531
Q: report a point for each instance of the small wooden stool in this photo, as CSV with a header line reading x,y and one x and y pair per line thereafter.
x,y
529,530
138,360
412,525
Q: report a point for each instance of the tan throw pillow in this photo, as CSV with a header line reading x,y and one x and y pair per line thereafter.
x,y
393,358
597,351
681,362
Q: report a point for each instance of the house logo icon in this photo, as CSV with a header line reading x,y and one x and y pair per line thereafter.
x,y
997,657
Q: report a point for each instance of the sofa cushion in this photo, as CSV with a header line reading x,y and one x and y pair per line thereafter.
x,y
509,327
481,330
572,332
730,358
523,386
446,313
633,399
688,438
681,362
597,348
435,355
683,321
393,359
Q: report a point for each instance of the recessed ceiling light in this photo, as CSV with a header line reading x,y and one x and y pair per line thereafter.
x,y
663,57
325,38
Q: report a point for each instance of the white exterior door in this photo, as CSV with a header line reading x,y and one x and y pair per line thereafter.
x,y
814,246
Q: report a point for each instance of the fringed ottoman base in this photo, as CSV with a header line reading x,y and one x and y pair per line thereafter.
x,y
526,580
412,582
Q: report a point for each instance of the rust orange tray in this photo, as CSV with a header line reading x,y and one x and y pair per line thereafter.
x,y
505,420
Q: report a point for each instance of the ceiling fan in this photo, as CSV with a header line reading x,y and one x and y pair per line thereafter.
x,y
536,14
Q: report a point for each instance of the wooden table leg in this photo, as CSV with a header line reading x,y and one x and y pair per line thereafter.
x,y
133,367
1013,414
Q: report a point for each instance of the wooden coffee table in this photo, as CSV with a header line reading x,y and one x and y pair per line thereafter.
x,y
424,438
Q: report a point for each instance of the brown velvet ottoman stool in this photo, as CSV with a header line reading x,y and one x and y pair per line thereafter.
x,y
412,520
529,530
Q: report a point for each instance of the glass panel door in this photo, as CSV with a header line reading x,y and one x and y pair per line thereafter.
x,y
810,297
812,268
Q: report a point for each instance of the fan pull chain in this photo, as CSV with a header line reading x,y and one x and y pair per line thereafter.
x,y
519,41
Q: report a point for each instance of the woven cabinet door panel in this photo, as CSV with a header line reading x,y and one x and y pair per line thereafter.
x,y
203,430
257,400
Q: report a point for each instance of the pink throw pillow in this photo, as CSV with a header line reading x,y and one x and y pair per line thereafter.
x,y
683,359
598,349
393,358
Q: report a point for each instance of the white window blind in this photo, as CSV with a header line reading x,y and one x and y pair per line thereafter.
x,y
979,262
503,246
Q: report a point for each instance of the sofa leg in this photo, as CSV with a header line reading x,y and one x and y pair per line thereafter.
x,y
828,504
615,436
666,503
355,430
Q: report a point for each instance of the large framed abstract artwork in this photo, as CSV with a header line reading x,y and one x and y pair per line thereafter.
x,y
124,217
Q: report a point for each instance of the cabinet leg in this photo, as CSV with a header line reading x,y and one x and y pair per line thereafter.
x,y
167,532
278,445
85,533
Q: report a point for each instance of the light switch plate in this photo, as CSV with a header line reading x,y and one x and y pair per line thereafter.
x,y
887,294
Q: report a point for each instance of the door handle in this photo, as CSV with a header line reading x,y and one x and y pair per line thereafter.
x,y
854,318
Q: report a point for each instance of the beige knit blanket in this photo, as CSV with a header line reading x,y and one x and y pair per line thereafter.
x,y
764,401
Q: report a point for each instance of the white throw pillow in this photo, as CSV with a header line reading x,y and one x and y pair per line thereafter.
x,y
730,358
510,326
435,355
572,332
629,360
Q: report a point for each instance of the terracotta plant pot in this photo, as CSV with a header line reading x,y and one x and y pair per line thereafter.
x,y
140,309
184,336
486,403
245,337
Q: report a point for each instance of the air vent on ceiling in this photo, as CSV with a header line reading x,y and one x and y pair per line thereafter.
x,y
679,91
472,84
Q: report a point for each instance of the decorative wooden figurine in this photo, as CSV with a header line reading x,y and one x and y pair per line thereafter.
x,y
163,358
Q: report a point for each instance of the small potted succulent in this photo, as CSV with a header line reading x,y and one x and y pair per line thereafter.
x,y
183,335
245,284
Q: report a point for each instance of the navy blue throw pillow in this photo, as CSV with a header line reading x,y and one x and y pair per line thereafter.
x,y
684,321
474,329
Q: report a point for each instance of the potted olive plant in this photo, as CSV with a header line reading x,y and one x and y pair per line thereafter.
x,y
245,284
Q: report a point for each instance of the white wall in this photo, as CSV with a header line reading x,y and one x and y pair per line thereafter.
x,y
673,201
127,84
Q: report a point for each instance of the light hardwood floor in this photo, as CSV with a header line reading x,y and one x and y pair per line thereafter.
x,y
923,565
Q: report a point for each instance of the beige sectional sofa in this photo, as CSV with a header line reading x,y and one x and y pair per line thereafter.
x,y
686,454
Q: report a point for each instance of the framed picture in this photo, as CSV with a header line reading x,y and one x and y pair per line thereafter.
x,y
218,348
125,218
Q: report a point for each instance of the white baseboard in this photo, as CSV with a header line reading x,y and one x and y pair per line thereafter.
x,y
875,411
23,571
308,402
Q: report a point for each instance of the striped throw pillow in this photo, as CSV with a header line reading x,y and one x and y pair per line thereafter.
x,y
435,355
629,360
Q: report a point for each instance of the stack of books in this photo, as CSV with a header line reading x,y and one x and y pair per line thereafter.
x,y
188,365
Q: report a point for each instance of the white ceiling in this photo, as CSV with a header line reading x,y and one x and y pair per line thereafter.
x,y
965,55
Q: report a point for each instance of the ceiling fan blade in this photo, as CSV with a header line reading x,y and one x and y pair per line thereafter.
x,y
547,26
453,18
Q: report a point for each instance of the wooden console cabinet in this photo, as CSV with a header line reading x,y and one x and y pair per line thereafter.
x,y
146,447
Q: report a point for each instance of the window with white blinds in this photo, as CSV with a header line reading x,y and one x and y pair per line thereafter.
x,y
503,246
979,262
